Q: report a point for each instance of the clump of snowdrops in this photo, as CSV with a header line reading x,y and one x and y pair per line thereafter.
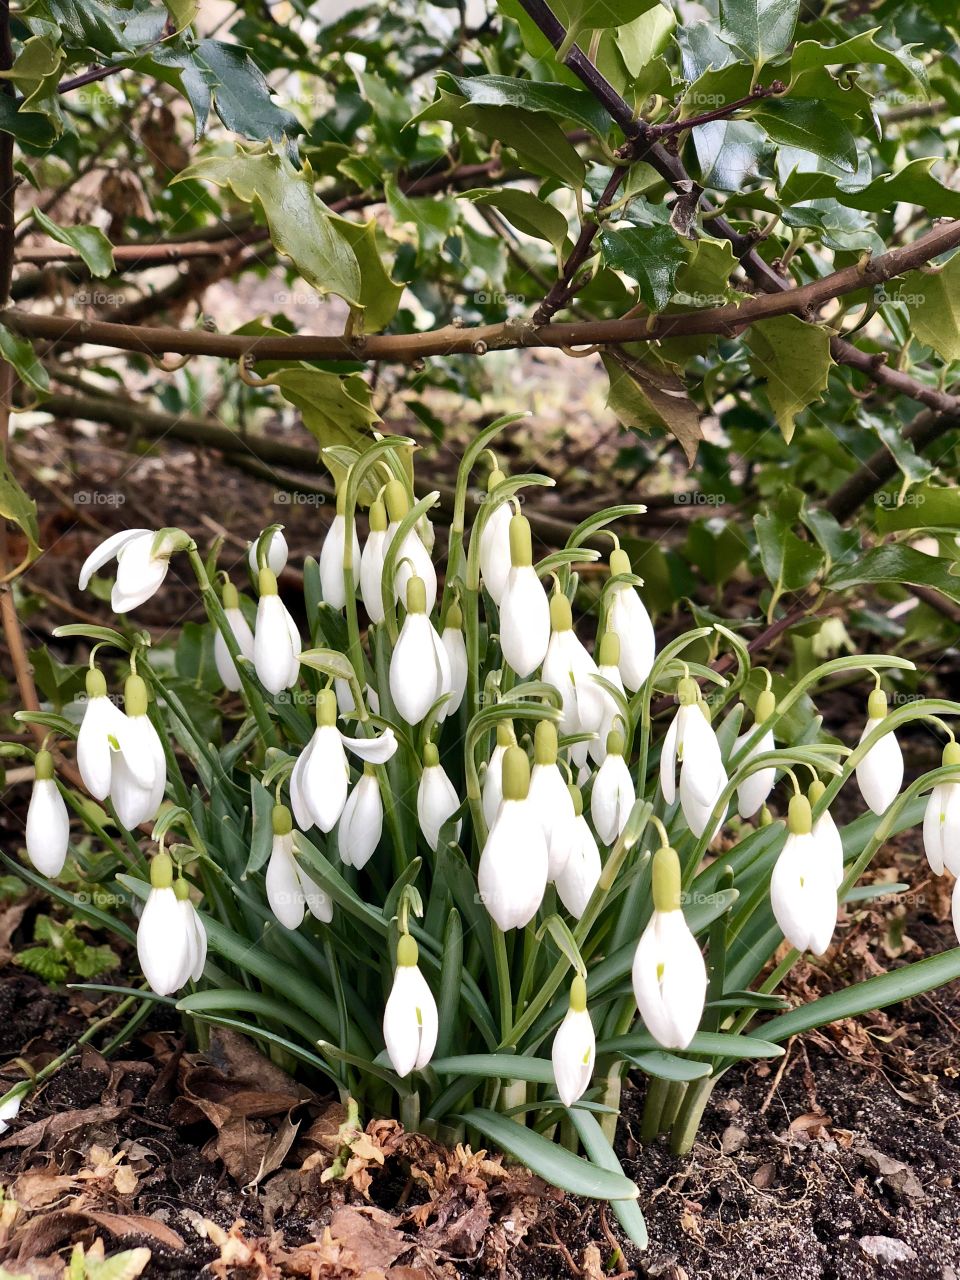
x,y
446,855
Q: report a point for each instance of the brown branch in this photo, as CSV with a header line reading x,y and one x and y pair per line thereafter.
x,y
671,127
508,335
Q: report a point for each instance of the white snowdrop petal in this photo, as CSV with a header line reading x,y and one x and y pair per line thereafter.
x,y
276,556
551,800
573,1055
512,876
371,574
107,550
436,802
94,751
325,777
410,1021
578,879
456,651
284,893
361,823
273,645
524,620
495,551
880,772
48,828
628,619
376,750
162,942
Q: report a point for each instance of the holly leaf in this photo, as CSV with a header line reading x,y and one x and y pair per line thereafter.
x,y
19,352
525,211
898,565
594,15
760,29
650,255
792,359
809,126
300,224
90,242
933,302
573,105
789,563
379,292
913,184
645,398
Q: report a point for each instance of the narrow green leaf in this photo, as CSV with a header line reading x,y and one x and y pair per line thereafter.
x,y
666,1066
707,1043
598,1148
498,1066
90,242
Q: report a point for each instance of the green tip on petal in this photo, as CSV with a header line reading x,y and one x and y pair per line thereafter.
x,y
396,500
951,754
282,821
135,697
619,562
416,594
267,582
161,871
561,614
688,691
408,953
576,795
816,790
799,817
43,766
516,774
766,706
877,705
378,516
431,756
578,994
615,743
326,708
182,889
545,745
96,685
666,879
608,654
505,735
521,542
231,597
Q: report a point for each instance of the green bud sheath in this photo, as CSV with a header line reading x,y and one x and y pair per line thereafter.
x,y
619,562
545,743
495,477
267,582
816,790
688,691
505,736
342,500
408,953
877,705
615,743
326,707
799,818
951,754
766,706
521,542
608,654
431,756
576,795
43,766
396,500
578,994
96,685
378,517
135,698
181,889
561,615
666,879
416,595
516,774
454,618
231,597
161,871
766,817
282,821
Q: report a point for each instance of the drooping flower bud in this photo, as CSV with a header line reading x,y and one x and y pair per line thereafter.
x,y
574,1047
628,619
171,940
411,552
550,798
492,780
410,1019
48,823
941,820
276,640
578,879
371,562
754,790
277,552
419,666
803,889
332,582
524,609
608,668
495,543
453,641
437,801
289,888
512,877
691,740
613,793
102,720
226,667
880,772
361,822
571,670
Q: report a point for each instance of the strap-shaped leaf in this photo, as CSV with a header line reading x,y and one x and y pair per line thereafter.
x,y
599,1150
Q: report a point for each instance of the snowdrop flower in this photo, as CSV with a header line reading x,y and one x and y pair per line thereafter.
x,y
941,820
613,794
9,1110
371,562
318,784
578,879
413,558
171,941
410,1019
826,834
831,639
880,772
48,824
101,722
495,543
139,774
437,801
629,621
608,668
574,1047
332,582
669,975
226,667
571,670
276,641
493,778
754,790
452,639
361,823
512,877
289,889
691,740
524,609
143,558
803,890
276,551
419,666
551,800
